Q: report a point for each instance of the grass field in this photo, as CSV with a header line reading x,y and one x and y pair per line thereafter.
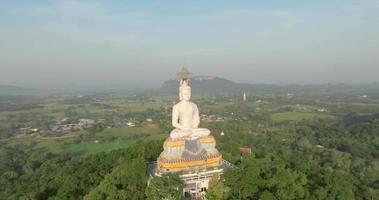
x,y
134,106
122,138
297,116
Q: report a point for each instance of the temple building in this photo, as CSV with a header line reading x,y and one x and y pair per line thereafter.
x,y
189,150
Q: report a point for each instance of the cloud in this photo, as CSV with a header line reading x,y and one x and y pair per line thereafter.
x,y
87,36
62,8
361,6
83,21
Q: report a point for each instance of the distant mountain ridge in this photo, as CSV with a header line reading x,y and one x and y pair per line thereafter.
x,y
203,84
16,90
213,84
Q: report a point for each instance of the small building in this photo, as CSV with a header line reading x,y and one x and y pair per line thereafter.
x,y
76,127
63,120
220,119
34,130
53,127
65,128
86,122
245,150
130,124
24,131
34,134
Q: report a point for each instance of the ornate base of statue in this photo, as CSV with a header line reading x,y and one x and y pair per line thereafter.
x,y
182,154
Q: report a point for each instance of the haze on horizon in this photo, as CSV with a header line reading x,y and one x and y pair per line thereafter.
x,y
66,42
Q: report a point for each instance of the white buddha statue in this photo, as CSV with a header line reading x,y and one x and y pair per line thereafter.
x,y
185,116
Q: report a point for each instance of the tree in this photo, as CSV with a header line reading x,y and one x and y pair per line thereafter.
x,y
166,187
217,190
266,177
127,181
331,184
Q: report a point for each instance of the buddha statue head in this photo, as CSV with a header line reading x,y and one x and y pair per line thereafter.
x,y
184,90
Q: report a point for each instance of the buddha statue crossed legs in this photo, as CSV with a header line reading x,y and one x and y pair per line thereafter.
x,y
185,116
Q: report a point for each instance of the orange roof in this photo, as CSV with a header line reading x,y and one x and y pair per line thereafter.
x,y
246,150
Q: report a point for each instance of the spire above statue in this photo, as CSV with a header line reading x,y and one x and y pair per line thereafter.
x,y
184,74
185,114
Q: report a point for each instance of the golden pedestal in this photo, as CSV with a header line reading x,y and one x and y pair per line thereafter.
x,y
181,154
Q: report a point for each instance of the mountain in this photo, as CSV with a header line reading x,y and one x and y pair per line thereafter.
x,y
6,90
203,84
213,84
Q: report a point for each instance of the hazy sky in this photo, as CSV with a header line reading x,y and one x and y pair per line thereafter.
x,y
54,43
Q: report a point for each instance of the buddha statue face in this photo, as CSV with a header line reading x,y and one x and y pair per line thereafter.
x,y
185,94
184,90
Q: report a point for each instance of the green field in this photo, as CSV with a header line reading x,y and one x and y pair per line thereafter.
x,y
99,142
297,116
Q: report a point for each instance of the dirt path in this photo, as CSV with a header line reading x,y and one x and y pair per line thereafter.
x,y
60,137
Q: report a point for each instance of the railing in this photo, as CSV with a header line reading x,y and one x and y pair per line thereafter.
x,y
227,163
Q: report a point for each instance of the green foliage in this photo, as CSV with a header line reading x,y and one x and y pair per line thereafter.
x,y
266,177
36,174
127,181
323,153
217,190
297,116
331,184
166,187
